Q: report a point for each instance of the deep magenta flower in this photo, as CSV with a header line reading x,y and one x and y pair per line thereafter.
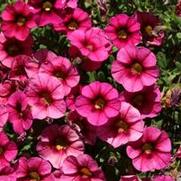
x,y
151,28
135,68
8,150
92,43
73,20
98,102
11,47
147,101
178,153
178,8
58,142
33,169
19,112
7,173
62,69
123,30
129,178
3,115
17,20
126,127
81,168
45,94
163,178
151,151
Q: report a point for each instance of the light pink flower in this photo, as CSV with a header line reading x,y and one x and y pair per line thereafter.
x,y
135,68
123,30
151,28
129,178
3,115
11,47
32,169
151,151
58,142
98,102
147,101
19,112
72,20
8,150
126,127
45,94
92,43
81,168
62,69
163,178
17,20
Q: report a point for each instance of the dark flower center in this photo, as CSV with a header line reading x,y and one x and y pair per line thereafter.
x,y
13,48
138,100
20,70
34,176
60,144
122,34
46,97
85,172
72,25
99,103
149,30
147,148
136,68
60,74
1,150
121,126
20,20
47,6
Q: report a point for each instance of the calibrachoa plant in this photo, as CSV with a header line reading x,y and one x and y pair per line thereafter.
x,y
90,90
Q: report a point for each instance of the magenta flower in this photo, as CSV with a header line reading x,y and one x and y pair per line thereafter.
x,y
58,142
163,178
123,30
7,173
147,101
45,94
129,178
135,68
11,47
33,169
98,102
152,151
126,127
93,43
73,20
178,153
63,70
8,150
81,168
3,115
150,28
19,112
17,20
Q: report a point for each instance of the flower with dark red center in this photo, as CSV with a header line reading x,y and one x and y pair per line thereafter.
x,y
45,94
17,20
82,167
98,102
58,142
135,68
126,127
151,151
11,47
123,30
147,101
150,28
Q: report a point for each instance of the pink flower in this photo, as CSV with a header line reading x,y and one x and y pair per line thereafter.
x,y
11,47
126,127
163,178
150,28
73,20
3,115
17,20
152,151
7,173
123,30
33,169
98,102
63,70
45,94
129,178
147,101
93,43
8,150
19,112
58,142
135,68
81,168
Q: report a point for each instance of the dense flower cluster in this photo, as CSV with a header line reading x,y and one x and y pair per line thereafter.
x,y
47,99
